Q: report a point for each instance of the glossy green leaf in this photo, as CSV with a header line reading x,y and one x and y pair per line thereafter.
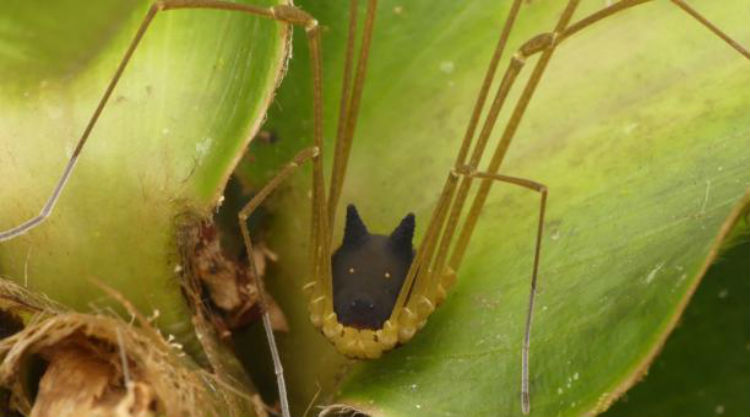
x,y
704,369
193,95
640,130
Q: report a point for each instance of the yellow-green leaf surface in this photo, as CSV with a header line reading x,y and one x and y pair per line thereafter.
x,y
187,105
640,129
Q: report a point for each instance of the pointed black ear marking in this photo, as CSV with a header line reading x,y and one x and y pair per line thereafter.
x,y
355,230
404,233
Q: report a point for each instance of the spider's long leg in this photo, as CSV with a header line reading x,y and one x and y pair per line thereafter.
x,y
489,77
343,113
288,14
626,4
311,153
544,43
350,101
502,147
710,26
547,42
542,190
427,247
533,46
514,68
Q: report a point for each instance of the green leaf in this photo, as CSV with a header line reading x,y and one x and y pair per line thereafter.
x,y
640,130
703,369
193,95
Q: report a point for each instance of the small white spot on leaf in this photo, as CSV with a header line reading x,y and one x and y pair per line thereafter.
x,y
202,147
447,67
630,127
652,274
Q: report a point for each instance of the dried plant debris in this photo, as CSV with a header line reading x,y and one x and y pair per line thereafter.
x,y
225,283
341,410
10,324
19,300
81,379
98,365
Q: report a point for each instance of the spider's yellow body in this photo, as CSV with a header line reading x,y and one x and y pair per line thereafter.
x,y
368,343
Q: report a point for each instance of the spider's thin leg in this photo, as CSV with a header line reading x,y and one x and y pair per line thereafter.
x,y
489,76
418,274
343,111
561,33
542,190
713,28
514,68
559,36
546,43
350,101
288,14
425,290
626,4
531,47
426,249
311,153
451,221
319,226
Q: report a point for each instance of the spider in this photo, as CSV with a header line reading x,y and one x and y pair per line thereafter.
x,y
376,291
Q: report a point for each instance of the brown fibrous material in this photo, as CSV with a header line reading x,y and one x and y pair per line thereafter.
x,y
226,282
99,365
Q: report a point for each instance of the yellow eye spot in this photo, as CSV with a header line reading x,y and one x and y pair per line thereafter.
x,y
387,274
351,270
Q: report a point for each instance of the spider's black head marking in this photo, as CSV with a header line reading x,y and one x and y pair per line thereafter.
x,y
369,270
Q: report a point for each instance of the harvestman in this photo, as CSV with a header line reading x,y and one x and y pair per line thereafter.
x,y
396,288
